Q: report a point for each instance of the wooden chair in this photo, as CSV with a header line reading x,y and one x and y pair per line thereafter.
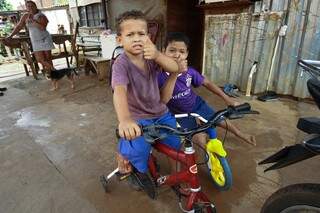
x,y
63,54
74,48
61,39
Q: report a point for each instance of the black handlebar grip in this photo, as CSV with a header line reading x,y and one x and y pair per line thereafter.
x,y
243,107
118,135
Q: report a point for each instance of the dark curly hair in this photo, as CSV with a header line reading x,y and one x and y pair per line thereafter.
x,y
177,36
132,14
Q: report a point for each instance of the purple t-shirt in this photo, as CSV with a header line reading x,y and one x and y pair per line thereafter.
x,y
183,98
142,87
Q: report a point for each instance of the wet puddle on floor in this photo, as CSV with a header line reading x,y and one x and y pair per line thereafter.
x,y
40,129
28,119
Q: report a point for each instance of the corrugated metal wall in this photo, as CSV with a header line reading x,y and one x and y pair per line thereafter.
x,y
234,41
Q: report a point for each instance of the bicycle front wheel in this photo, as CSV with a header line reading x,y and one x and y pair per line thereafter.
x,y
219,171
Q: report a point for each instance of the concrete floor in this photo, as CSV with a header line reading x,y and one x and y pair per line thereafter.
x,y
55,145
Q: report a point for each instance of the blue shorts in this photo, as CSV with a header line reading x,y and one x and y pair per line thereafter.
x,y
137,151
204,110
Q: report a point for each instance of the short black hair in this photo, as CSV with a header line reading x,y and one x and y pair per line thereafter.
x,y
177,36
31,2
132,14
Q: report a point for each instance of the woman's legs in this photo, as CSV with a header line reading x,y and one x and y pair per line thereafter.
x,y
44,58
48,58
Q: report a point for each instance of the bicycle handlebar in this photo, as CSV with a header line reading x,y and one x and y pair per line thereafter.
x,y
230,110
311,66
242,108
153,130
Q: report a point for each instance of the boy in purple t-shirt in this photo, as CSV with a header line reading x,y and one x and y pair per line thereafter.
x,y
183,99
136,91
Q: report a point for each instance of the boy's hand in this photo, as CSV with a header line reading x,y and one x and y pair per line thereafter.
x,y
235,103
150,50
183,65
231,102
129,129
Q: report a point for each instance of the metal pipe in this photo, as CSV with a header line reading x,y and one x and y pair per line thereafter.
x,y
303,35
249,83
272,61
247,42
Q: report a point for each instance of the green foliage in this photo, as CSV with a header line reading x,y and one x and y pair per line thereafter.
x,y
6,29
5,6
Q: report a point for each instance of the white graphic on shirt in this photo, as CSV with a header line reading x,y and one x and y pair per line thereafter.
x,y
188,80
187,91
182,94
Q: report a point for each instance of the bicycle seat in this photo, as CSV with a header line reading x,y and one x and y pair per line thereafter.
x,y
309,125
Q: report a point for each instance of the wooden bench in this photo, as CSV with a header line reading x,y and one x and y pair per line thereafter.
x,y
89,43
100,66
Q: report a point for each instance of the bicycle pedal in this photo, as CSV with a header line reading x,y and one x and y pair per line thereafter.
x,y
121,176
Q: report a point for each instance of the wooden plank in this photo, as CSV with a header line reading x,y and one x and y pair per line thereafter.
x,y
95,58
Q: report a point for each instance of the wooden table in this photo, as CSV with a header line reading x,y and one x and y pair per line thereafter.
x,y
24,43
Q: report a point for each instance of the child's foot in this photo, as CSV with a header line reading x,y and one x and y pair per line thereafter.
x,y
250,139
53,89
2,89
1,93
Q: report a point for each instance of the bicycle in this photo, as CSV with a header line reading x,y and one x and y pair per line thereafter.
x,y
217,164
303,197
196,200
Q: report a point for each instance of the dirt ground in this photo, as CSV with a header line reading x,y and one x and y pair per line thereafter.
x,y
55,145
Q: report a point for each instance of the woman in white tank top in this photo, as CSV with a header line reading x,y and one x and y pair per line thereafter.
x,y
41,39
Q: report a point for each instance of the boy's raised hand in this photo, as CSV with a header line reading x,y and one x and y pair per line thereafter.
x,y
183,64
150,51
129,129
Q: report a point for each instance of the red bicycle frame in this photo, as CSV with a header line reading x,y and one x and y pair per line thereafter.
x,y
188,175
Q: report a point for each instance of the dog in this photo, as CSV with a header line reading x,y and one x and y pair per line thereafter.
x,y
56,75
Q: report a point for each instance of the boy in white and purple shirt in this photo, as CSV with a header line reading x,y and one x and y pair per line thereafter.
x,y
177,90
